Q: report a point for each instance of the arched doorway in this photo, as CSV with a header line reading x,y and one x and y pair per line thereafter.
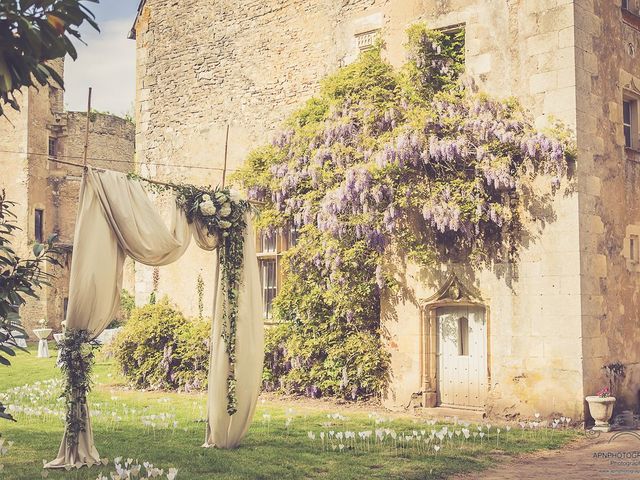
x,y
455,348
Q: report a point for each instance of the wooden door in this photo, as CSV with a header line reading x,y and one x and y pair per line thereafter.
x,y
462,356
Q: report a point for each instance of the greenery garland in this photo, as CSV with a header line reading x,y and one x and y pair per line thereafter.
x,y
76,362
223,214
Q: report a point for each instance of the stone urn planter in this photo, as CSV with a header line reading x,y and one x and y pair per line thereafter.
x,y
601,409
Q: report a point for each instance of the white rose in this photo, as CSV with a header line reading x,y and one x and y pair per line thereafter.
x,y
225,210
221,197
207,208
206,197
224,224
235,196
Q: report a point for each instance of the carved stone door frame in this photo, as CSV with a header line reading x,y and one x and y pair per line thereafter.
x,y
451,294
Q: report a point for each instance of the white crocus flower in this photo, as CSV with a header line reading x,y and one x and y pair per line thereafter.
x,y
172,473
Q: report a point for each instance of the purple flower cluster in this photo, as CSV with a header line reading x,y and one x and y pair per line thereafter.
x,y
407,149
443,212
447,150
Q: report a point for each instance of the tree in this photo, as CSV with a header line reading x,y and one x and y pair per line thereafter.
x,y
19,278
32,33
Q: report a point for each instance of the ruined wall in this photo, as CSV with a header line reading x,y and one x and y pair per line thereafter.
x,y
607,46
257,61
35,181
14,179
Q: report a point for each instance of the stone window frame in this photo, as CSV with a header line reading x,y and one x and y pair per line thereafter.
x,y
632,241
38,223
53,146
631,93
630,13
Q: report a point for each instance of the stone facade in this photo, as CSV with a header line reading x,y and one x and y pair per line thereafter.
x,y
569,307
30,141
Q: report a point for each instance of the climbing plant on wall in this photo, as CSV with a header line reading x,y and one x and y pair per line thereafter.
x,y
382,156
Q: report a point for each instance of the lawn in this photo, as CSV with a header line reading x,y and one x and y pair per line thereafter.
x,y
167,429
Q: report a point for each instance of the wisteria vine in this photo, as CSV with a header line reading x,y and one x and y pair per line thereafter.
x,y
388,156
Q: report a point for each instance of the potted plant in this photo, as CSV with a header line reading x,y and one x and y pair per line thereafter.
x,y
601,408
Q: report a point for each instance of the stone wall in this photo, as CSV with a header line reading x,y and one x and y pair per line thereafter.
x,y
250,64
607,69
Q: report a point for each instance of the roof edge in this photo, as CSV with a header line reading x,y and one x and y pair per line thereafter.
x,y
132,33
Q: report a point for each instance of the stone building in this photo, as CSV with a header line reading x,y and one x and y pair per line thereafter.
x,y
460,336
46,191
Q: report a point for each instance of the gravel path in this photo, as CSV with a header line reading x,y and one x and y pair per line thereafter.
x,y
611,456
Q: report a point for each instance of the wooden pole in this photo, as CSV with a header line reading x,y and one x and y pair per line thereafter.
x,y
86,131
226,150
216,282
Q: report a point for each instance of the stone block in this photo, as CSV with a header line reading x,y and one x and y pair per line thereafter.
x,y
543,82
541,43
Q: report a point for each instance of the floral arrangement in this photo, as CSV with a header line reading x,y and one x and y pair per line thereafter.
x,y
223,214
604,393
42,322
76,363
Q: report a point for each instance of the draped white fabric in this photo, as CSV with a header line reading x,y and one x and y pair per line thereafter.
x,y
226,431
116,218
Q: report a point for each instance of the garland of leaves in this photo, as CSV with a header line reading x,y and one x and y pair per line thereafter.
x,y
76,357
224,217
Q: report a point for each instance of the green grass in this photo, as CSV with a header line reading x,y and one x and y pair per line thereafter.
x,y
269,451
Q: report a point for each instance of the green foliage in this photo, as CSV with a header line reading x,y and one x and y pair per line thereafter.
x,y
159,348
436,61
76,363
328,341
32,33
200,292
127,304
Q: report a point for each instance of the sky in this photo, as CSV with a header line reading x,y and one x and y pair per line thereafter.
x,y
107,63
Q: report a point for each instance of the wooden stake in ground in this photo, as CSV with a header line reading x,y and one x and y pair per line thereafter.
x,y
86,131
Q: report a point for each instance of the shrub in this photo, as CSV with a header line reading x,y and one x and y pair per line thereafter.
x,y
353,368
127,304
159,348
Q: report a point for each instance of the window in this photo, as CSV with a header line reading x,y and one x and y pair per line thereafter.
x,y
630,122
634,249
38,221
269,241
53,147
366,40
293,237
463,336
625,4
269,286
